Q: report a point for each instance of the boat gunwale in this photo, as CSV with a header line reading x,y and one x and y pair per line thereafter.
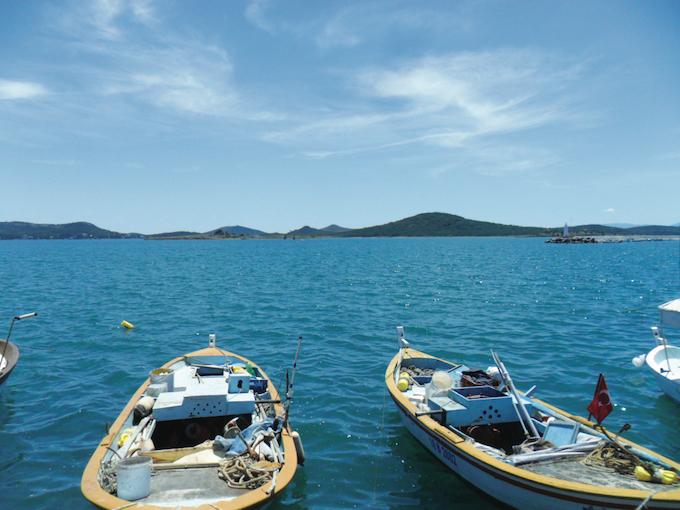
x,y
459,443
94,493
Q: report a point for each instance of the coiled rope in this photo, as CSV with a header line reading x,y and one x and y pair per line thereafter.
x,y
107,476
615,457
243,472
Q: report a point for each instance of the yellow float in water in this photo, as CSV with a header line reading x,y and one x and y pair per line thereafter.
x,y
127,325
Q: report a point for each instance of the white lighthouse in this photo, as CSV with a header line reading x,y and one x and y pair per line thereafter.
x,y
565,231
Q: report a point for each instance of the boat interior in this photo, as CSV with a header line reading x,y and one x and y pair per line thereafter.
x,y
478,406
192,416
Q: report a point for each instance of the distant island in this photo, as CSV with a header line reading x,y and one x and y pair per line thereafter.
x,y
78,230
434,224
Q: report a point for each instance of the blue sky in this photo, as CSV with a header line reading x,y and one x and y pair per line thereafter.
x,y
149,116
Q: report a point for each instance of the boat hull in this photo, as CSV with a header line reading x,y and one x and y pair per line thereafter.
x,y
12,357
257,498
512,486
668,386
658,360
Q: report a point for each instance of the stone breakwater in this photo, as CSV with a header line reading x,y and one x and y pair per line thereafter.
x,y
609,239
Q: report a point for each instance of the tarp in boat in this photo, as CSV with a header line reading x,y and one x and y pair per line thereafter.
x,y
670,313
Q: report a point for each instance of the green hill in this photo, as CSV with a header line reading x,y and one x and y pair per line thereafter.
x,y
443,224
335,229
238,230
78,230
307,231
658,230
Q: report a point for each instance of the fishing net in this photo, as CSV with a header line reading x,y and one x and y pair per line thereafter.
x,y
575,470
415,371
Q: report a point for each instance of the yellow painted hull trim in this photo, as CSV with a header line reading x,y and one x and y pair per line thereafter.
x,y
96,495
574,494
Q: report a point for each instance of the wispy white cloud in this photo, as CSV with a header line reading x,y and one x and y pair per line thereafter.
x,y
187,79
336,32
144,11
13,89
358,23
256,13
55,162
610,210
482,92
458,101
105,19
177,73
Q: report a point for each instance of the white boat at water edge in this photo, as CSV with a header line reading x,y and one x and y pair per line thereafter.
x,y
664,359
9,352
518,449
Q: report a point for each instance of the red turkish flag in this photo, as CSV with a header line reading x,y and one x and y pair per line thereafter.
x,y
601,405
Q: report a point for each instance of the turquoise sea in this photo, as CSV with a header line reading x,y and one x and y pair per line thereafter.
x,y
558,315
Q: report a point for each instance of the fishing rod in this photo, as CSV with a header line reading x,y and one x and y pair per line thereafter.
x,y
290,384
11,327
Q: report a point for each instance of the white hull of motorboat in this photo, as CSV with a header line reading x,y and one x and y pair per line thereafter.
x,y
664,362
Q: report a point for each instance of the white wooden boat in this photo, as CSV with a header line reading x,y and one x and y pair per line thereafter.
x,y
208,430
9,352
517,449
9,356
664,359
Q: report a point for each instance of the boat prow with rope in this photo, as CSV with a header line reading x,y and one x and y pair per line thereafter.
x,y
520,450
207,429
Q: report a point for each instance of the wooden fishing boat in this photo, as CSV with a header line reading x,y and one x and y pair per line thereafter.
x,y
664,359
519,450
207,429
9,356
9,352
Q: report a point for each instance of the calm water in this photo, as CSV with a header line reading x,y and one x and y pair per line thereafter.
x,y
558,314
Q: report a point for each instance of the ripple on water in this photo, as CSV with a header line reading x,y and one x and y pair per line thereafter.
x,y
558,315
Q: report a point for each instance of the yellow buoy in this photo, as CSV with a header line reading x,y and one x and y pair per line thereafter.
x,y
127,325
666,476
402,384
125,436
642,474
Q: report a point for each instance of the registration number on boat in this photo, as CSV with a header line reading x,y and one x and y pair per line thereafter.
x,y
443,452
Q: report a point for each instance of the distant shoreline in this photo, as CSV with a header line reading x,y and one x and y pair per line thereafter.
x,y
598,239
433,224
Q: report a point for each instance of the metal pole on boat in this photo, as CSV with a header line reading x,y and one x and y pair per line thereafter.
x,y
522,412
403,344
665,350
289,386
11,327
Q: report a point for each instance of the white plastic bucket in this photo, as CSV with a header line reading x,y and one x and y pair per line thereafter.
x,y
159,375
133,477
162,376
